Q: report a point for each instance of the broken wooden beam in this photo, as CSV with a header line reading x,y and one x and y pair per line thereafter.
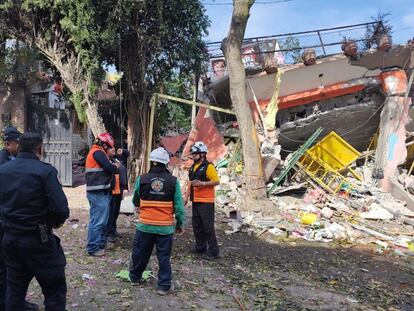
x,y
193,103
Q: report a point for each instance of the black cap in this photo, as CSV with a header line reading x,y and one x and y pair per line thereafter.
x,y
11,134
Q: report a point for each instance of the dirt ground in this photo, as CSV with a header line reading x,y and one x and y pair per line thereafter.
x,y
252,274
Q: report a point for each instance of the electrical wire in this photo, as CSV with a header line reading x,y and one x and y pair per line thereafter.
x,y
363,124
291,139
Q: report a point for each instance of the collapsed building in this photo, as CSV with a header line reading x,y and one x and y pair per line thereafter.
x,y
361,96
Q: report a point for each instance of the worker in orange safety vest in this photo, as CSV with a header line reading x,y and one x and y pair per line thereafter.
x,y
203,178
99,173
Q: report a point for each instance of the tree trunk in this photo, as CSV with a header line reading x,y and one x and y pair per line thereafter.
x,y
94,120
231,46
137,139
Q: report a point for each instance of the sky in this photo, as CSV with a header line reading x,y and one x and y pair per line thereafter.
x,y
302,15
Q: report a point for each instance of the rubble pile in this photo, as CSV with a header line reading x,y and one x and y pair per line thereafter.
x,y
302,210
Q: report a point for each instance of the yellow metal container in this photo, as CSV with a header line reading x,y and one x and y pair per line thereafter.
x,y
334,151
324,162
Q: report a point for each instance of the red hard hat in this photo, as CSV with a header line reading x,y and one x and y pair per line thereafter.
x,y
107,138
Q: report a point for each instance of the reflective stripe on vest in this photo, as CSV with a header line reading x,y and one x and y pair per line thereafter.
x,y
156,213
96,177
117,187
203,194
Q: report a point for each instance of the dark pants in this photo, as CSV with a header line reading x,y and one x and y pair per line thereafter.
x,y
203,228
27,257
113,215
3,275
141,253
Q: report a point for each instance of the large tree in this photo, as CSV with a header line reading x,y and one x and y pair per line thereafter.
x,y
231,46
71,37
158,38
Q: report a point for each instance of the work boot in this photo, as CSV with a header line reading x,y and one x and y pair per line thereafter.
x,y
211,257
163,292
112,239
99,253
137,283
197,251
29,306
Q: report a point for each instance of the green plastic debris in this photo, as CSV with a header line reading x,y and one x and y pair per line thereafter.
x,y
124,275
222,163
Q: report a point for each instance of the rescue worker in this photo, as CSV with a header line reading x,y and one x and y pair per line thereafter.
x,y
99,171
122,155
203,178
159,198
32,202
119,191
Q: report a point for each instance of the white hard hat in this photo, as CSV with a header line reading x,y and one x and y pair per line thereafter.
x,y
160,155
199,147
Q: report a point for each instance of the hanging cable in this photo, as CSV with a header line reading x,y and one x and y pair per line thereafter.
x,y
120,95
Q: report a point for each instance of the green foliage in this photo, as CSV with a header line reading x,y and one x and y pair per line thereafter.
x,y
373,32
75,27
293,44
158,38
17,63
77,99
175,116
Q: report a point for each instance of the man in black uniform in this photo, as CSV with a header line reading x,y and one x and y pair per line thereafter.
x,y
32,202
11,144
11,136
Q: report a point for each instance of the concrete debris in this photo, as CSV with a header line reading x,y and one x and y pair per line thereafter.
x,y
377,212
276,231
327,212
359,211
337,231
373,232
267,222
235,227
315,196
223,199
377,217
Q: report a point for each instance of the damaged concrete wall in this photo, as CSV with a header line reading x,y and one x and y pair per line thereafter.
x,y
354,117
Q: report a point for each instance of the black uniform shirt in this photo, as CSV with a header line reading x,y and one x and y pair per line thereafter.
x,y
5,156
30,194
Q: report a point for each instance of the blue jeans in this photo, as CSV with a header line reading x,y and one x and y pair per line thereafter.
x,y
98,219
141,253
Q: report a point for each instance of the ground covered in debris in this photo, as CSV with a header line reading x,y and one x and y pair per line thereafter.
x,y
266,273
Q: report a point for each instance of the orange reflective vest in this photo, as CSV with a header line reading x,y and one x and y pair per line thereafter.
x,y
116,190
201,194
96,177
156,193
156,213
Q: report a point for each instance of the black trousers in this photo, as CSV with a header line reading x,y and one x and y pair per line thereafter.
x,y
114,209
141,253
3,276
203,228
27,257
